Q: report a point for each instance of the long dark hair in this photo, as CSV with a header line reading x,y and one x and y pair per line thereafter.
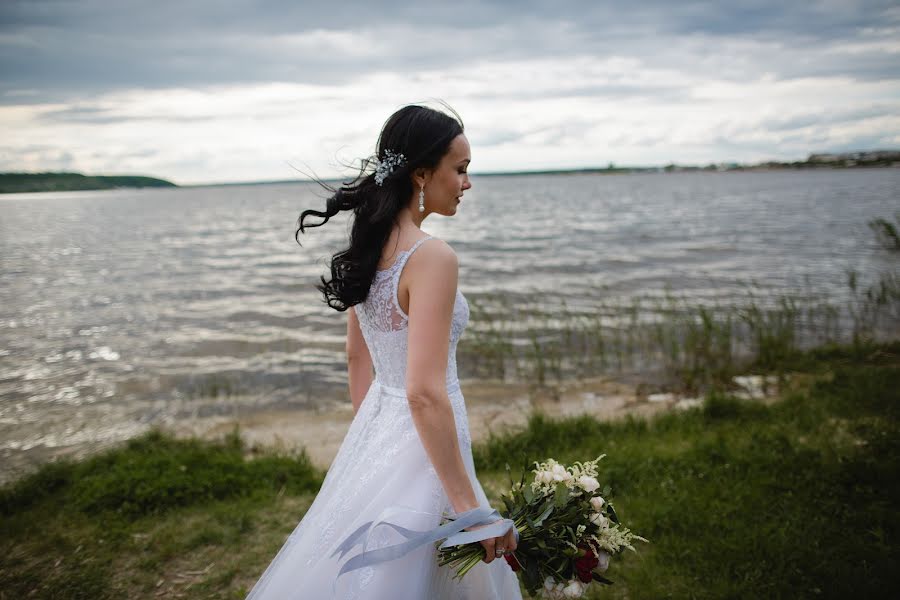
x,y
423,135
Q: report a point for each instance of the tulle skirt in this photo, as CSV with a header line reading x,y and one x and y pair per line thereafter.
x,y
380,465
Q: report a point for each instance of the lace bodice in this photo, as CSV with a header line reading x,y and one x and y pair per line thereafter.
x,y
384,324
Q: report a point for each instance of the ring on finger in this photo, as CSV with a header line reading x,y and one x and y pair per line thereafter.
x,y
499,552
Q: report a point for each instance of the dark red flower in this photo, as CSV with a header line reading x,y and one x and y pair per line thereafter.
x,y
587,563
512,562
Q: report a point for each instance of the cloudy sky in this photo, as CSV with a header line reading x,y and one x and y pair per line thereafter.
x,y
201,91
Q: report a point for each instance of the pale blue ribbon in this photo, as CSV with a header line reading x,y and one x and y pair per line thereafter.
x,y
452,531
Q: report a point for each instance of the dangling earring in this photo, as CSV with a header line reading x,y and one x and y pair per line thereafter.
x,y
422,199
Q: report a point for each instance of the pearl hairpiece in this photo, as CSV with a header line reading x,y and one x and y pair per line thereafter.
x,y
385,167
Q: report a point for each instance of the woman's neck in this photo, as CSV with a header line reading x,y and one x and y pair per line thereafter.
x,y
407,217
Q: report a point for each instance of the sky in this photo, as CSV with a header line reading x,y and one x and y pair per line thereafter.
x,y
204,91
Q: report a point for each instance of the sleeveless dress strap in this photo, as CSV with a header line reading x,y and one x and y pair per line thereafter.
x,y
402,263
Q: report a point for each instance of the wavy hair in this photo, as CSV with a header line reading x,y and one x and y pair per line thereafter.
x,y
423,135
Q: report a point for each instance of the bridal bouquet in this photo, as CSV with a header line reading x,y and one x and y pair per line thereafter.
x,y
567,531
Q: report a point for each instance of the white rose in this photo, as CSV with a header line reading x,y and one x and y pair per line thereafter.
x,y
552,589
599,520
597,503
589,484
603,557
559,473
574,589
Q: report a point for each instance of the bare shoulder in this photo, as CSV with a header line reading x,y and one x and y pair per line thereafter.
x,y
434,254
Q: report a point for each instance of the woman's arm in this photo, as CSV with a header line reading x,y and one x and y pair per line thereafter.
x,y
359,362
432,294
432,274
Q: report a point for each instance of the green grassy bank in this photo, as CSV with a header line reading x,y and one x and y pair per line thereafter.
x,y
16,183
794,499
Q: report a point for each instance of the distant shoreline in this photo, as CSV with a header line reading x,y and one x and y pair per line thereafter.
x,y
23,183
687,169
599,171
11,183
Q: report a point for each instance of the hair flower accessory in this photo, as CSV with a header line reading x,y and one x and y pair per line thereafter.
x,y
386,166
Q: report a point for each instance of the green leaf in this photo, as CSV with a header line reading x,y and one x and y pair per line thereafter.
x,y
528,493
600,578
562,494
612,514
544,515
532,576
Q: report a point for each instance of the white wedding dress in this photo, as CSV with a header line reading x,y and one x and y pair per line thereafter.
x,y
382,464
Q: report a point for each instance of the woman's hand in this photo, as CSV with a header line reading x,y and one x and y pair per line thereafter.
x,y
503,544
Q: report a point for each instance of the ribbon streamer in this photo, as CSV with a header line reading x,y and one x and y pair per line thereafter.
x,y
452,531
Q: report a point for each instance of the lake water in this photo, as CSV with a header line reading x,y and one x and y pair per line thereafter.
x,y
123,308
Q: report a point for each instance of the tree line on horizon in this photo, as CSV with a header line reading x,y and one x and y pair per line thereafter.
x,y
21,182
11,183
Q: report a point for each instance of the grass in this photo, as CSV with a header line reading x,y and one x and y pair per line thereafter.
x,y
887,233
793,499
691,347
139,520
745,500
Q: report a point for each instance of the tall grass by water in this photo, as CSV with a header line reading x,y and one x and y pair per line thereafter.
x,y
692,347
682,344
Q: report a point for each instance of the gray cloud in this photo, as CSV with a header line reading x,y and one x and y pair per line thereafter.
x,y
816,18
823,118
566,80
68,49
103,116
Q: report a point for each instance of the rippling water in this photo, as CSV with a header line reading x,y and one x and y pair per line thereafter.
x,y
127,307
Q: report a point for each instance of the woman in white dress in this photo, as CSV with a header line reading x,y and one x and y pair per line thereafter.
x,y
407,456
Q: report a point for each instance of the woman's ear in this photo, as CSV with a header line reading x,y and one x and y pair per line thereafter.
x,y
420,177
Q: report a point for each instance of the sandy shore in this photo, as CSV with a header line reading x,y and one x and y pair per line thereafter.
x,y
491,407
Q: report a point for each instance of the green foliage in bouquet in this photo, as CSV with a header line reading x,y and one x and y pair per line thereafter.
x,y
566,533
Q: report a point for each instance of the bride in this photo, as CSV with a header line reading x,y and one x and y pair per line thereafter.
x,y
407,456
